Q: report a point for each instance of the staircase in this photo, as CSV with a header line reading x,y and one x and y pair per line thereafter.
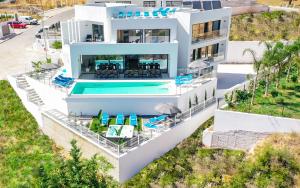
x,y
32,95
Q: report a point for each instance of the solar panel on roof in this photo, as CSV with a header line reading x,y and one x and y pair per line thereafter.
x,y
207,5
197,5
216,4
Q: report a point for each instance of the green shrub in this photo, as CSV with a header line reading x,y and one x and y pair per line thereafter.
x,y
297,88
262,82
57,45
274,93
294,78
242,95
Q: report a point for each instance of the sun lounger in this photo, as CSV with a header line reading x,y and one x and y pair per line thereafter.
x,y
121,14
60,84
150,125
65,78
137,13
160,9
158,119
146,14
129,14
133,120
155,13
104,118
173,10
120,119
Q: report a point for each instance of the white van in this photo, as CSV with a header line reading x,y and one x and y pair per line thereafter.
x,y
28,20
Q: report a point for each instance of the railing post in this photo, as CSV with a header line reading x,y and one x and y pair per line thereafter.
x,y
138,139
118,149
190,112
98,139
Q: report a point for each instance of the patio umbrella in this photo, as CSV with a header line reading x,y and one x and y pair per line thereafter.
x,y
198,65
167,109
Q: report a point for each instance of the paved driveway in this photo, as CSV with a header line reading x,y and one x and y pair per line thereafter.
x,y
17,53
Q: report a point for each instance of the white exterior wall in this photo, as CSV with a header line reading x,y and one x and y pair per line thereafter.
x,y
137,158
230,121
183,101
90,105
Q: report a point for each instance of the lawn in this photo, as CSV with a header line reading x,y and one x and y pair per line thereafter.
x,y
96,126
23,148
269,105
275,25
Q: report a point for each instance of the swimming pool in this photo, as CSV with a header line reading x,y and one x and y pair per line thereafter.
x,y
121,88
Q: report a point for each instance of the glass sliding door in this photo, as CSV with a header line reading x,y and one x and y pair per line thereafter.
x,y
157,35
130,36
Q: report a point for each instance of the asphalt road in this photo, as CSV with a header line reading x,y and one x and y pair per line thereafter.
x,y
17,53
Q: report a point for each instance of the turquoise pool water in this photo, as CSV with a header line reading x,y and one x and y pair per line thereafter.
x,y
121,88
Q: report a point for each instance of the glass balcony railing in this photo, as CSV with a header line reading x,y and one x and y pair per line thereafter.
x,y
157,39
209,35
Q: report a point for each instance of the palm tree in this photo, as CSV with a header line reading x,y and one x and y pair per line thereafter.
x,y
256,65
266,63
293,52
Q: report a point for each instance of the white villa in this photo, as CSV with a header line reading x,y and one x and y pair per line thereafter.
x,y
142,44
130,59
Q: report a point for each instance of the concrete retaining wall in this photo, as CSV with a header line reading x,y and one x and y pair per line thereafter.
x,y
138,158
231,121
63,136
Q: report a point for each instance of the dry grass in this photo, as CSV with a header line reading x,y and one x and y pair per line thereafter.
x,y
289,142
277,2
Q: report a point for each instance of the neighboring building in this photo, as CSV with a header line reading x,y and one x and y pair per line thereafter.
x,y
5,30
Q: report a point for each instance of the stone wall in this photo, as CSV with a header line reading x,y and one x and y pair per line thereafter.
x,y
241,140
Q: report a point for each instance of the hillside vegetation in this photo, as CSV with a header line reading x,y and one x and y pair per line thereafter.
x,y
275,25
30,159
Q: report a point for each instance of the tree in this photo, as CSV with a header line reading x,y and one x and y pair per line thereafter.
x,y
281,102
266,63
257,66
76,172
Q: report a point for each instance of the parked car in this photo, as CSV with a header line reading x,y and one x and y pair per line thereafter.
x,y
28,20
39,34
17,25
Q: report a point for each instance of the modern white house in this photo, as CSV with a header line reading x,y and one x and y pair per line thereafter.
x,y
129,59
127,43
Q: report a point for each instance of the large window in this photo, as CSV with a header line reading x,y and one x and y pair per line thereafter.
x,y
206,30
149,4
143,36
173,3
205,52
130,36
157,35
98,32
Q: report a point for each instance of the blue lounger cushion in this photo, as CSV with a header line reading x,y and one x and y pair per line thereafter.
x,y
150,125
155,13
158,119
120,119
138,13
146,14
133,119
129,14
104,119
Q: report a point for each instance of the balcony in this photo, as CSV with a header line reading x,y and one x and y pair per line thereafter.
x,y
209,35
